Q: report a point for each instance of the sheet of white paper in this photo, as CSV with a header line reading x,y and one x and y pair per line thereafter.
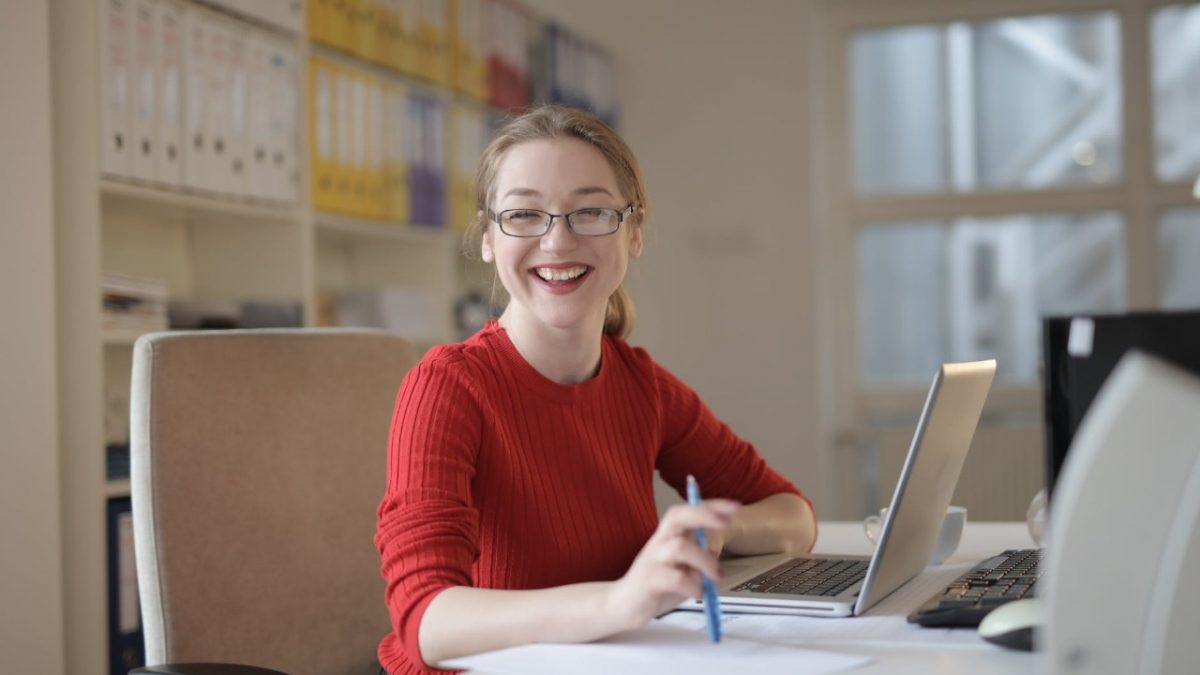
x,y
884,623
811,631
658,648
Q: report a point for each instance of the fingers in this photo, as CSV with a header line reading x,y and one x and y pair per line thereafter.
x,y
683,553
683,583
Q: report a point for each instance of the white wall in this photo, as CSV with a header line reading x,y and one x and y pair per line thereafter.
x,y
714,101
31,617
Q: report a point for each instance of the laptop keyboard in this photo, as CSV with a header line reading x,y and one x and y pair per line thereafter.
x,y
1012,575
808,576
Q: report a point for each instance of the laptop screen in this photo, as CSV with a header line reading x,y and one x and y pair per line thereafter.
x,y
1081,351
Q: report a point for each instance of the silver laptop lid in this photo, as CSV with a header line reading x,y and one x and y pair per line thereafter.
x,y
926,485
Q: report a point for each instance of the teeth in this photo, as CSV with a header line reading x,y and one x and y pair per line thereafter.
x,y
560,275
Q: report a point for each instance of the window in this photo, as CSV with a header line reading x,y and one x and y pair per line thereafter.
x,y
986,168
1179,250
973,288
1025,102
1175,44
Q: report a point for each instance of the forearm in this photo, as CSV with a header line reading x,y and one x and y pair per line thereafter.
x,y
461,620
781,522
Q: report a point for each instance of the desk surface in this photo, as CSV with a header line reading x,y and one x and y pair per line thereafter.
x,y
962,655
883,633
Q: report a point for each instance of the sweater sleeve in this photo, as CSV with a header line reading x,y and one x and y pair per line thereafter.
x,y
694,441
427,525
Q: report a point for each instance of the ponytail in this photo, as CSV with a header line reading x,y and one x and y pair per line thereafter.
x,y
618,316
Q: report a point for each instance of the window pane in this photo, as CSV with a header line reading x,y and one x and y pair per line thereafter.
x,y
1175,38
899,137
1179,249
976,288
1029,102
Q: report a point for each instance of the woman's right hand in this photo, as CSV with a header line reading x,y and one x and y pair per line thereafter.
x,y
668,569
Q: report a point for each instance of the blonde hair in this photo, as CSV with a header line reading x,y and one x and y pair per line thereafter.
x,y
548,122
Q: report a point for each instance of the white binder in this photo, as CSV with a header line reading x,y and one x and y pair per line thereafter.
x,y
342,136
197,144
169,92
259,176
115,63
143,113
376,145
237,135
283,148
358,147
217,103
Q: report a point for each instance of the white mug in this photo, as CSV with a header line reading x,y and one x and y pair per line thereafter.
x,y
948,537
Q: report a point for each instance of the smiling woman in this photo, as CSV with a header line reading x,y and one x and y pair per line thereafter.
x,y
519,503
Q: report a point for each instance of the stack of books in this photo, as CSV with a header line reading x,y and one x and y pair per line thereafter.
x,y
133,304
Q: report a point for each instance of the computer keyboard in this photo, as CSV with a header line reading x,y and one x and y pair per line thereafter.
x,y
808,576
1012,575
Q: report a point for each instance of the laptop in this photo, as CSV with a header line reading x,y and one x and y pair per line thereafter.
x,y
839,586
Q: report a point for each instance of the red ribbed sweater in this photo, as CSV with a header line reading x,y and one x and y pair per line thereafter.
x,y
501,478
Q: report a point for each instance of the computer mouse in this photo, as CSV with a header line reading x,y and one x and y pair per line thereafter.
x,y
1012,625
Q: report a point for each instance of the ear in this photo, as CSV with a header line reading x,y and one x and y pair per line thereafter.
x,y
485,242
636,242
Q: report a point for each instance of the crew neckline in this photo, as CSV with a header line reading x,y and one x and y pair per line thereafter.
x,y
529,376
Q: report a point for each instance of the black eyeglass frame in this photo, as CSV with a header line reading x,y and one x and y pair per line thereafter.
x,y
620,213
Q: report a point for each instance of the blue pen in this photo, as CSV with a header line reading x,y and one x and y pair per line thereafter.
x,y
712,608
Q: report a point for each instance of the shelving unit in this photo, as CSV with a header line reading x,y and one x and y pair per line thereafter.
x,y
203,246
179,202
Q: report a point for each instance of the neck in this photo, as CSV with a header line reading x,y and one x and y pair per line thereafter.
x,y
564,355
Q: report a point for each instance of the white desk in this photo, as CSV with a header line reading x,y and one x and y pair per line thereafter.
x,y
961,655
883,634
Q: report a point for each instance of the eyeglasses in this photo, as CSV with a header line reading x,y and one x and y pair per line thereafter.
x,y
584,222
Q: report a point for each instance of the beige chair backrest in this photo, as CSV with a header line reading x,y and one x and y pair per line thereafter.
x,y
258,460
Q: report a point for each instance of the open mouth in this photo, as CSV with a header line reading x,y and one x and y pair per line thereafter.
x,y
561,276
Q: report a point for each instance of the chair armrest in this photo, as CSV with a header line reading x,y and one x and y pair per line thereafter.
x,y
203,669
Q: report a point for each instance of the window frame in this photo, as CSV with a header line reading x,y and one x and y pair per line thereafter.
x,y
839,213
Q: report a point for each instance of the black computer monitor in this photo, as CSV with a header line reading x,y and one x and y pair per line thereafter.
x,y
1077,365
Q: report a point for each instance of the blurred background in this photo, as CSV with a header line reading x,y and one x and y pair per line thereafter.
x,y
842,196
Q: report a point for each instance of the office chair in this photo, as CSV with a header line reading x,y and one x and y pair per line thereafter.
x,y
258,458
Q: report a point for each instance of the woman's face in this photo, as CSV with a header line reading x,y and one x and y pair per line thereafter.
x,y
560,280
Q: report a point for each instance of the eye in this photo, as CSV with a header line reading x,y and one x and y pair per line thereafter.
x,y
590,215
523,216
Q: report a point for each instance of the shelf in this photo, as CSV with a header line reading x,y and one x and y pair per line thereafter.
x,y
199,204
384,229
117,488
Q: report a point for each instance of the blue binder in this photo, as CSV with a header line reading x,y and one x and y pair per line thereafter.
x,y
126,649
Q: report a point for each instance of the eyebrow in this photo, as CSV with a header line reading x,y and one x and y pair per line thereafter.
x,y
583,191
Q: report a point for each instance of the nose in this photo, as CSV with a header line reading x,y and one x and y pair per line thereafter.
x,y
559,237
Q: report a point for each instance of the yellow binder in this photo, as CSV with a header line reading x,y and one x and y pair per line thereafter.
x,y
363,36
469,68
387,30
329,22
433,42
408,49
